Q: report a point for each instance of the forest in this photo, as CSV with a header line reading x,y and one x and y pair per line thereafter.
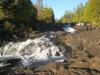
x,y
90,12
34,42
24,15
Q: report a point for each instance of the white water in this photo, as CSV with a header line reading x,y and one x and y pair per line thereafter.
x,y
33,51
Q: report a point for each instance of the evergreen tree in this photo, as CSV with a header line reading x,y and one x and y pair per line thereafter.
x,y
46,15
6,7
20,10
67,17
78,13
24,11
63,19
92,11
1,13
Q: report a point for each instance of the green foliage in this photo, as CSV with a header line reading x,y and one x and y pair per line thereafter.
x,y
1,13
8,26
7,6
92,11
75,16
78,14
21,12
47,15
24,11
63,19
67,17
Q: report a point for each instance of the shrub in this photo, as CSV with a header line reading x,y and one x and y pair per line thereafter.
x,y
8,26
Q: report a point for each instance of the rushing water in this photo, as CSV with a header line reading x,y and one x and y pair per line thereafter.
x,y
34,51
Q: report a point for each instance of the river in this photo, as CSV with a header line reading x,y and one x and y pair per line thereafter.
x,y
32,52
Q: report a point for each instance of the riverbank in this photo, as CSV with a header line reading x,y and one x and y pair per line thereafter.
x,y
82,58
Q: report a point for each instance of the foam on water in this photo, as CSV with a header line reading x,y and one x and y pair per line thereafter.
x,y
33,51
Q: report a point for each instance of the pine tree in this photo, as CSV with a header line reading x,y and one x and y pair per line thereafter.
x,y
78,13
18,13
20,10
46,15
6,7
24,11
92,11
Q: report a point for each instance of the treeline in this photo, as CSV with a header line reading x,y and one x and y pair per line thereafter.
x,y
22,15
90,12
46,15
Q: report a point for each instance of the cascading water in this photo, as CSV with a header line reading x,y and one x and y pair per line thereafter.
x,y
33,51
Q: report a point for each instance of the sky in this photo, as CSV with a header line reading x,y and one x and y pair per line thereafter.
x,y
60,6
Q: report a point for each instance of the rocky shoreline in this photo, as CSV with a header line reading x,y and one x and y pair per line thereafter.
x,y
83,57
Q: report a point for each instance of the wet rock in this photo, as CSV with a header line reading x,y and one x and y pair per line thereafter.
x,y
15,37
83,59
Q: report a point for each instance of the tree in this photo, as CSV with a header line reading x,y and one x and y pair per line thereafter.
x,y
67,17
1,14
92,11
6,7
46,15
24,11
78,13
39,5
63,19
19,10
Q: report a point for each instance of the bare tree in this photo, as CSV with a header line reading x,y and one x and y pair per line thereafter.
x,y
39,5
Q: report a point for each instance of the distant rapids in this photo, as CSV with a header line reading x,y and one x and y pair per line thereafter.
x,y
34,52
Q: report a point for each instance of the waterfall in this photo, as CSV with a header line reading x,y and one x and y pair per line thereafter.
x,y
33,52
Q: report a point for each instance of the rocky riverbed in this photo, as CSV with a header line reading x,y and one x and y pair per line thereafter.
x,y
81,58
